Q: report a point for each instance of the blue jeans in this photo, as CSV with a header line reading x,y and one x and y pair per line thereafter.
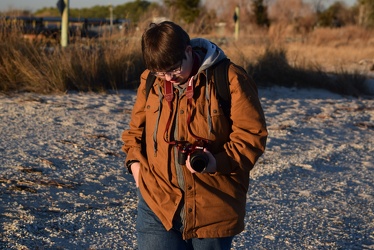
x,y
152,235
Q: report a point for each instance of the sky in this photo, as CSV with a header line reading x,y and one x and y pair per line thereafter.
x,y
33,5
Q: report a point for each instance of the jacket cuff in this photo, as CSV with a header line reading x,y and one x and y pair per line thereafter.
x,y
128,165
224,163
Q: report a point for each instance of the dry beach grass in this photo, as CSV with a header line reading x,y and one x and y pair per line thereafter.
x,y
275,57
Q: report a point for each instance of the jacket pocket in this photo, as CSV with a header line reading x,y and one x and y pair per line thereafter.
x,y
220,122
152,113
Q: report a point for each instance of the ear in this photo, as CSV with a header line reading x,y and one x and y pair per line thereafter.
x,y
189,49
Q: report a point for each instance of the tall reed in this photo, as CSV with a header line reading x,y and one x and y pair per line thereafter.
x,y
41,65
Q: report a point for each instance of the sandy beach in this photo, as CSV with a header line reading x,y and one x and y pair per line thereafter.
x,y
63,184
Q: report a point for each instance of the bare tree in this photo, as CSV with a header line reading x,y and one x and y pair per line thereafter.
x,y
318,5
366,13
289,11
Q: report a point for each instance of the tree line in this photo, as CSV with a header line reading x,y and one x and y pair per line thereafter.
x,y
253,11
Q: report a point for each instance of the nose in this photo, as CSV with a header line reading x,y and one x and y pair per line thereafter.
x,y
169,76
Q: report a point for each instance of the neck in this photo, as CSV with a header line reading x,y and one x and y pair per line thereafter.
x,y
194,70
196,64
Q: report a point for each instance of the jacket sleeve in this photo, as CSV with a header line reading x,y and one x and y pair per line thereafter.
x,y
132,137
249,134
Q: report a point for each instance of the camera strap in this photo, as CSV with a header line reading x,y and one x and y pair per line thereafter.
x,y
189,95
169,96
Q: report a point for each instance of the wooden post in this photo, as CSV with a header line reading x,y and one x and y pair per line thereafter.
x,y
65,25
236,19
111,18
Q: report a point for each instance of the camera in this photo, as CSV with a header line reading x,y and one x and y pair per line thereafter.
x,y
198,158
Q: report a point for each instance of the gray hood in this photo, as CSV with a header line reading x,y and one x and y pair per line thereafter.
x,y
213,53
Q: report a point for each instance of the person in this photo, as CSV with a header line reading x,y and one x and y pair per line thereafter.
x,y
190,162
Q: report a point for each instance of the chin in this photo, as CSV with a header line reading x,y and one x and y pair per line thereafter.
x,y
176,81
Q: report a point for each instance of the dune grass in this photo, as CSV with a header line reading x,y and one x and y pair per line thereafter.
x,y
86,65
325,58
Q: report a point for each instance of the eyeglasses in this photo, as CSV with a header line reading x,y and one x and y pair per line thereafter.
x,y
173,72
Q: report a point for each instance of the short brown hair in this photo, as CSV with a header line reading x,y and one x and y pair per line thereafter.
x,y
164,45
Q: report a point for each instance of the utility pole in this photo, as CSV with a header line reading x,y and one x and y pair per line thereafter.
x,y
63,6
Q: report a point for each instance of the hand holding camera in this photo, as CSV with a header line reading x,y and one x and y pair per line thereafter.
x,y
210,167
196,157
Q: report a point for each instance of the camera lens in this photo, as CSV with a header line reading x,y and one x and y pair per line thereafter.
x,y
199,160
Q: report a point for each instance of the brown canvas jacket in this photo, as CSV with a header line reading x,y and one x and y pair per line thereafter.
x,y
214,203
